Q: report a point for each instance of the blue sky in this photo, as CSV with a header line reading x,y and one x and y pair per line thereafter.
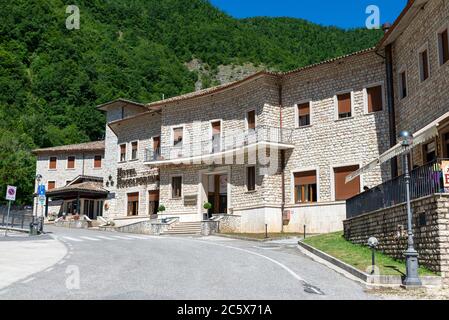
x,y
341,13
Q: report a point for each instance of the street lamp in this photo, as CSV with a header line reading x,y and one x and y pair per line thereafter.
x,y
411,255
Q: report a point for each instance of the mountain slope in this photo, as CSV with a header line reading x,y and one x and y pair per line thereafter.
x,y
51,78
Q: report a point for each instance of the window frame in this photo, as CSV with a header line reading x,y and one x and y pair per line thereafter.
x,y
336,113
365,97
423,48
171,186
127,203
444,27
120,152
255,177
137,150
292,184
296,106
101,161
74,163
172,135
246,119
211,133
400,85
48,185
332,180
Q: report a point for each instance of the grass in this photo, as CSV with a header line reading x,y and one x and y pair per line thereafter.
x,y
358,256
262,235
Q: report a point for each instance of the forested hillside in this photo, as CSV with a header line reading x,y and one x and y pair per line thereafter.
x,y
52,78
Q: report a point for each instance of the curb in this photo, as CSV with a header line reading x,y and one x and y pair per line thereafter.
x,y
249,239
371,281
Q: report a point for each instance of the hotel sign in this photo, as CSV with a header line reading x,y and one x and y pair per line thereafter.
x,y
129,178
445,170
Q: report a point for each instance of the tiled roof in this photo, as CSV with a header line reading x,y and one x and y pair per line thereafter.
x,y
89,146
88,186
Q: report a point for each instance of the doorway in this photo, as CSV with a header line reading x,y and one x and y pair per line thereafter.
x,y
217,195
153,202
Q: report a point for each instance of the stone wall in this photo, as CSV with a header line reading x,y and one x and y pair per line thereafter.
x,y
389,226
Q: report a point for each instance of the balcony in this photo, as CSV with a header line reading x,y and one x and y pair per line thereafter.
x,y
222,145
424,181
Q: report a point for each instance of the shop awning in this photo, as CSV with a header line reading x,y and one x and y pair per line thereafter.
x,y
421,136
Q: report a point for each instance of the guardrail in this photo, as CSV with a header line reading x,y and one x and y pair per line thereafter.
x,y
424,181
18,218
212,145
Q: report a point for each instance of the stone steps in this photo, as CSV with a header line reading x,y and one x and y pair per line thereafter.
x,y
184,228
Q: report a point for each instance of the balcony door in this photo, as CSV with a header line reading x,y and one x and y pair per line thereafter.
x,y
216,136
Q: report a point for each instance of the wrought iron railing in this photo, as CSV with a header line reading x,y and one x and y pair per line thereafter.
x,y
424,181
211,145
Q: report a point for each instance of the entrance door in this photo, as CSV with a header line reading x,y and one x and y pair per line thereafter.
x,y
218,193
153,202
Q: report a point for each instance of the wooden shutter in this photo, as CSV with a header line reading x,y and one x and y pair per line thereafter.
x,y
444,46
153,195
344,103
51,185
303,178
132,197
375,101
251,178
53,162
97,162
344,191
71,162
304,109
251,118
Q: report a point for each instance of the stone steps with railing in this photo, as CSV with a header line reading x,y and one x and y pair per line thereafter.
x,y
180,228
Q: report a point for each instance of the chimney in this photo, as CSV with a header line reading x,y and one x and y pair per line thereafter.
x,y
386,26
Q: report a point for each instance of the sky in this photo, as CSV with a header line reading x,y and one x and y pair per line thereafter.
x,y
341,13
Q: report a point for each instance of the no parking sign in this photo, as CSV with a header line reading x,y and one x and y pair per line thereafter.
x,y
11,193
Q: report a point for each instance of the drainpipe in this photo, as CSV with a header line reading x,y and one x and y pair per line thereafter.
x,y
282,157
391,106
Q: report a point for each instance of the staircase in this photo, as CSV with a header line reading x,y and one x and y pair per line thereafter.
x,y
184,228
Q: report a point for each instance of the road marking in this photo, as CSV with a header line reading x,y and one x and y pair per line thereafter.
x,y
61,262
28,280
106,238
267,248
123,238
73,239
90,239
49,269
137,237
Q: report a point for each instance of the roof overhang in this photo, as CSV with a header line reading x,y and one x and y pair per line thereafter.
x,y
120,103
419,137
404,19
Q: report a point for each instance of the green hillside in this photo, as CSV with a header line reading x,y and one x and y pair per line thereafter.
x,y
51,78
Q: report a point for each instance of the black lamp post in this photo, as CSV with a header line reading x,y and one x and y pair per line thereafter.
x,y
411,255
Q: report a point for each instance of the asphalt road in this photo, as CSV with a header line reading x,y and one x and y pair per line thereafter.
x,y
104,265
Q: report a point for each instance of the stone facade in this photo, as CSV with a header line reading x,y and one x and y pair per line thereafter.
x,y
389,226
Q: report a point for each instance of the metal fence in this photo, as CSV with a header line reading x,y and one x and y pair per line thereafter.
x,y
19,218
424,181
210,145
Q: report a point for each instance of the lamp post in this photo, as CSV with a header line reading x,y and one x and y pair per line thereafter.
x,y
411,255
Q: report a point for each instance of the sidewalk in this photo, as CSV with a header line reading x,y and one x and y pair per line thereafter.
x,y
22,255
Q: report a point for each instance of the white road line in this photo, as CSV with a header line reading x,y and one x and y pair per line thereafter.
x,y
73,239
106,238
49,269
28,280
137,237
123,238
90,239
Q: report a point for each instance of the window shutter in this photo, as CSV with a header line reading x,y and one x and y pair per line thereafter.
x,y
153,195
344,103
304,109
132,197
344,191
71,162
53,162
251,119
303,178
51,185
375,101
97,162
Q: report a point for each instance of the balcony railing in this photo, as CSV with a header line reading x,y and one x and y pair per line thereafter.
x,y
424,181
213,145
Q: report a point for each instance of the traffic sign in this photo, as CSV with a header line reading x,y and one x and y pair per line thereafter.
x,y
11,193
41,190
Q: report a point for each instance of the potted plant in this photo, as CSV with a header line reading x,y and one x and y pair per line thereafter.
x,y
161,208
207,206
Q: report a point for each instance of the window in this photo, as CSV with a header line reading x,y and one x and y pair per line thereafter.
x,y
134,150
71,162
51,185
133,204
251,178
430,152
443,46
156,148
176,187
177,136
305,186
344,105
97,162
216,136
251,120
403,84
303,114
123,152
52,163
424,65
343,190
375,99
